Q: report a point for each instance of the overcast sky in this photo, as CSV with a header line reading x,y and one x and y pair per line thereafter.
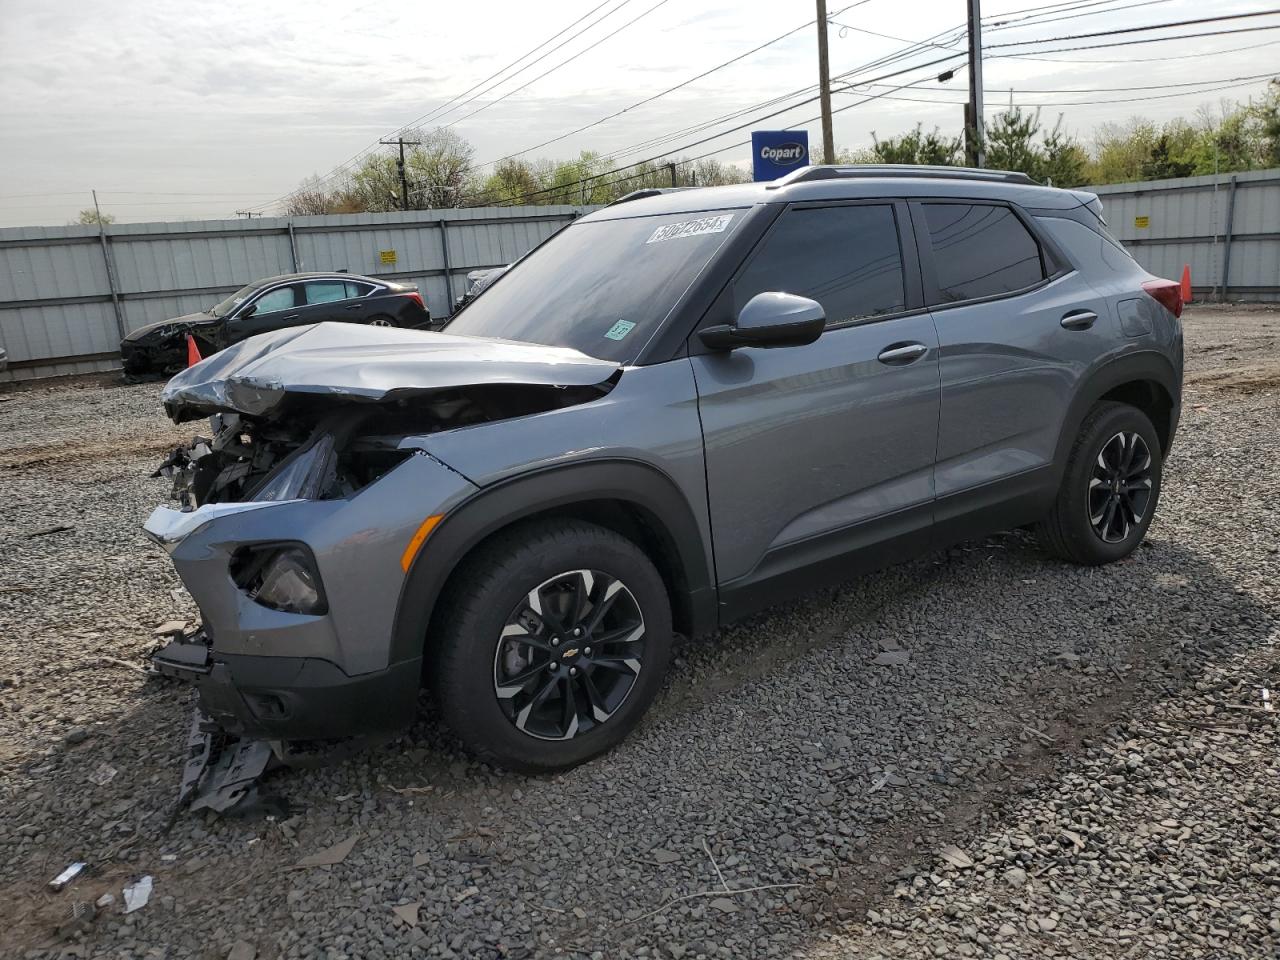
x,y
196,109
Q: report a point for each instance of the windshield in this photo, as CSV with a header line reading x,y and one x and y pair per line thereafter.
x,y
233,301
601,287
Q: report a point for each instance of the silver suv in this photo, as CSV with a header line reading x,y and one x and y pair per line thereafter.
x,y
681,408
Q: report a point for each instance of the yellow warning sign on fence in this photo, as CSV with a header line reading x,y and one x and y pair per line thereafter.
x,y
389,256
1140,222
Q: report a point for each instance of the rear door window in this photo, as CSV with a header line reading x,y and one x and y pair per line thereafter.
x,y
325,291
848,258
358,289
981,250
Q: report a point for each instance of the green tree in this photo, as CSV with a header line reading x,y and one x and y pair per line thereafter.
x,y
510,179
1011,141
1062,160
90,217
917,147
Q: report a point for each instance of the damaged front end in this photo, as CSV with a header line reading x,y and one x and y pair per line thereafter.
x,y
298,513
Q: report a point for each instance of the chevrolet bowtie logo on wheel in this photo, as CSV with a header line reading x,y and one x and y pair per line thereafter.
x,y
571,652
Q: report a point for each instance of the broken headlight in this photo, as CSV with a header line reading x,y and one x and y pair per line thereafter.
x,y
280,576
304,475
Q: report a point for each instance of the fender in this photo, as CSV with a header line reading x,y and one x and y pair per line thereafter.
x,y
1148,365
501,504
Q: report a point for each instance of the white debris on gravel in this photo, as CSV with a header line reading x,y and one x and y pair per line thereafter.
x,y
1094,741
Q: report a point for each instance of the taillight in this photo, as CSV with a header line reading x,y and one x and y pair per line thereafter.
x,y
417,298
1167,292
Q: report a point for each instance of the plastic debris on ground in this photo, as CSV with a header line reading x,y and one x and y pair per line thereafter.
x,y
137,894
66,876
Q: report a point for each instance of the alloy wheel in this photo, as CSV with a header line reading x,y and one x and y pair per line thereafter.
x,y
379,322
1120,487
569,654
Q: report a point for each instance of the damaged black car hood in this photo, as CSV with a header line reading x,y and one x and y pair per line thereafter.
x,y
365,363
188,320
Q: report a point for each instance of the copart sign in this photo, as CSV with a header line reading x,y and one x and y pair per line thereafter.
x,y
775,153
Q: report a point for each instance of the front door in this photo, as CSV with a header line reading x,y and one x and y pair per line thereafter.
x,y
272,310
816,451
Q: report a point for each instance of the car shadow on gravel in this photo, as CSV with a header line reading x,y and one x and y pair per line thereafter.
x,y
780,756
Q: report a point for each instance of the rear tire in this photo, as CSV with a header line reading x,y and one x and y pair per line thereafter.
x,y
1110,488
554,639
382,320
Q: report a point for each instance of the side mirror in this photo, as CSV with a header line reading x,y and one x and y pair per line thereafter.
x,y
771,319
247,312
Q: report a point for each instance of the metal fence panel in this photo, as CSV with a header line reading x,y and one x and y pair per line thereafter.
x,y
56,310
1224,227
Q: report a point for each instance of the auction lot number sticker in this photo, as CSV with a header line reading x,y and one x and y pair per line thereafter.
x,y
692,228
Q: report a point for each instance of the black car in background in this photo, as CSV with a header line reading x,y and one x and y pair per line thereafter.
x,y
290,300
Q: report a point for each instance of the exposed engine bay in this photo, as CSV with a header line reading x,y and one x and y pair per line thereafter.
x,y
325,448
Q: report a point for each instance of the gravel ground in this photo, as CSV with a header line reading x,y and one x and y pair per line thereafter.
x,y
1070,762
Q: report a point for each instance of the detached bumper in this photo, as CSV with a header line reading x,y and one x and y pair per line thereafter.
x,y
291,698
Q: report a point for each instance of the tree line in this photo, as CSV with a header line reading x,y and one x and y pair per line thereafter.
x,y
441,170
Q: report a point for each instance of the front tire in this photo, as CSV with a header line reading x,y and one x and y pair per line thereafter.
x,y
1109,490
553,641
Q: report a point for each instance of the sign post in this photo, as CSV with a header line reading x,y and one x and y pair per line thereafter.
x,y
775,153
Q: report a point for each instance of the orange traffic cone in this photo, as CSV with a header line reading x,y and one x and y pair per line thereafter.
x,y
193,352
1186,283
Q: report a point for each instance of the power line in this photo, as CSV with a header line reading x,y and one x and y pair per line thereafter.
x,y
886,95
663,93
366,150
1213,86
1130,43
1129,61
717,136
439,111
562,63
1156,26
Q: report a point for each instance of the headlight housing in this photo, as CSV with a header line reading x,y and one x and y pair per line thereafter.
x,y
280,576
303,475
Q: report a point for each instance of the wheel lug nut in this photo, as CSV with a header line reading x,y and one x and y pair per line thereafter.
x,y
587,651
573,671
577,631
555,641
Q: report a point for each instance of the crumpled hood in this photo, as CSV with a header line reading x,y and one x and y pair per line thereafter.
x,y
365,364
190,319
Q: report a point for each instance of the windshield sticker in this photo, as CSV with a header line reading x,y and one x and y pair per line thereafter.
x,y
692,228
620,330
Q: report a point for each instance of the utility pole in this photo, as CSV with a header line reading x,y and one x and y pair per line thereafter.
x,y
121,326
404,180
975,151
671,167
824,80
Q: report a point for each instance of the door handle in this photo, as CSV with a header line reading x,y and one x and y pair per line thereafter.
x,y
355,306
1078,319
900,354
292,316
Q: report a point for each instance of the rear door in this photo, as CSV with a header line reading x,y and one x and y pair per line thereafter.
x,y
331,299
814,451
1017,324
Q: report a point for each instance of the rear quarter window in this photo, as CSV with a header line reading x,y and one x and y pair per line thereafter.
x,y
981,250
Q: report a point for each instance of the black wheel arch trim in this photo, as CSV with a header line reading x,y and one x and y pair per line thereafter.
x,y
1142,366
497,506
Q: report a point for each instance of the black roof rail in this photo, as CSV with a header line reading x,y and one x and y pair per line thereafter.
x,y
645,192
920,171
